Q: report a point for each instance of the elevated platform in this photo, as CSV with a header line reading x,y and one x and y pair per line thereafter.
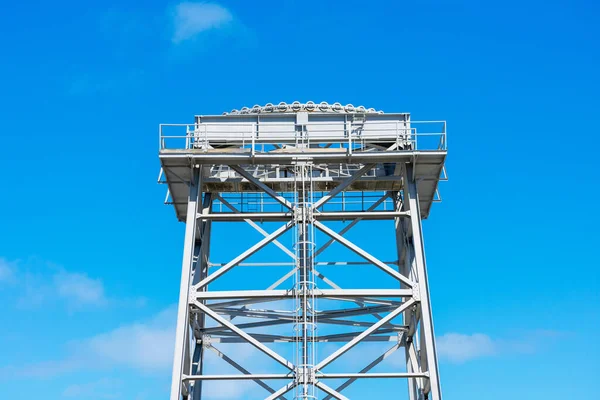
x,y
267,144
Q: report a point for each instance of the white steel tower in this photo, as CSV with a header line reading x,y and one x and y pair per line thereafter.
x,y
302,176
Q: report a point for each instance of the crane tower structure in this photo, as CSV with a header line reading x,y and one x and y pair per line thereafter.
x,y
299,176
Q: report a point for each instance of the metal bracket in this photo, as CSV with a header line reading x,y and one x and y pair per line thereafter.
x,y
206,341
299,375
416,293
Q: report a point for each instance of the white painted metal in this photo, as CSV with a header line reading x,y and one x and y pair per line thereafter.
x,y
427,333
181,359
305,287
303,165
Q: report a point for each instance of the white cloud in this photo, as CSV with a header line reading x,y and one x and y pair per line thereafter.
x,y
145,346
76,290
40,283
79,289
6,270
457,347
191,19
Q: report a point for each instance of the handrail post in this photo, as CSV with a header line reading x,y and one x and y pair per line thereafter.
x,y
205,138
350,143
161,144
445,147
416,139
252,151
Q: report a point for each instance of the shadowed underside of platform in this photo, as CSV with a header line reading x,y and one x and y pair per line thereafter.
x,y
273,169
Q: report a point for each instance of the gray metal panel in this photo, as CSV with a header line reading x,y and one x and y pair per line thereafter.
x,y
283,127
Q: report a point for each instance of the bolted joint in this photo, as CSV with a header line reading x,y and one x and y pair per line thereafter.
x,y
305,375
416,294
192,299
206,341
297,213
192,292
400,336
302,213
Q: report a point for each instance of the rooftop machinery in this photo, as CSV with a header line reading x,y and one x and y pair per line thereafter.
x,y
293,174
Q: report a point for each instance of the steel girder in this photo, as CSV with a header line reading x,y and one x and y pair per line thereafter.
x,y
409,303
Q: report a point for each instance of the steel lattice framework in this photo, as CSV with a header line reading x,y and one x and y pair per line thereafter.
x,y
298,170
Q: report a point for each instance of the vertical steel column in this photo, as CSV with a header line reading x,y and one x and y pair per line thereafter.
x,y
411,200
200,271
181,358
404,269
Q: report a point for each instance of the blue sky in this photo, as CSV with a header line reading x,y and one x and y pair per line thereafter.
x,y
90,257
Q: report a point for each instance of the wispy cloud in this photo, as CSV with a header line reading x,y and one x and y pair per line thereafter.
x,y
79,288
129,345
144,346
460,348
6,270
191,19
37,282
76,290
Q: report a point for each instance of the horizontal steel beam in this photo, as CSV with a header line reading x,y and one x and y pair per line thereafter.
x,y
290,264
283,294
256,264
286,216
373,375
232,339
322,178
188,156
249,325
286,319
346,263
347,312
233,377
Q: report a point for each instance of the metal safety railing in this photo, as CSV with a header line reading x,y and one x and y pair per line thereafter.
x,y
346,201
255,137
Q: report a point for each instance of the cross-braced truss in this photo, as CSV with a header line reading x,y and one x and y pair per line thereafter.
x,y
409,303
303,192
